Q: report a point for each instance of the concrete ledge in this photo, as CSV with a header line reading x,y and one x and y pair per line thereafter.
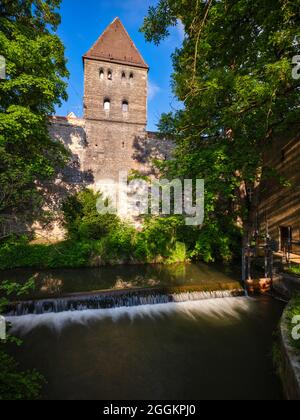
x,y
286,285
290,363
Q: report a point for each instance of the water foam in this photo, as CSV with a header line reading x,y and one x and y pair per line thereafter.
x,y
221,309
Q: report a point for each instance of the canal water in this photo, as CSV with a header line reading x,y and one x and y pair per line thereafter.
x,y
58,283
211,349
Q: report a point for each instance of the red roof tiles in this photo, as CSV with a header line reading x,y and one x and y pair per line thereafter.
x,y
115,45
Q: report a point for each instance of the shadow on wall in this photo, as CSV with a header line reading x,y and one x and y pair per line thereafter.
x,y
148,148
70,181
49,218
15,225
68,133
73,175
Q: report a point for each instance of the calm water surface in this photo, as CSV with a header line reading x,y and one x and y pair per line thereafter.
x,y
55,283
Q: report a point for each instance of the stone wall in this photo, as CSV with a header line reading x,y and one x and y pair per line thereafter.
x,y
132,88
99,151
290,363
108,140
72,133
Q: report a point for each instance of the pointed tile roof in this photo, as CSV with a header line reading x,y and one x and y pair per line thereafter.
x,y
115,45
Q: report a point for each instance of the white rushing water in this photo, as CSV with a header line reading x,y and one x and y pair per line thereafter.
x,y
226,310
106,301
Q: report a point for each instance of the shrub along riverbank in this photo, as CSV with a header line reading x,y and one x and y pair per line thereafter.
x,y
75,254
294,269
287,354
291,312
96,240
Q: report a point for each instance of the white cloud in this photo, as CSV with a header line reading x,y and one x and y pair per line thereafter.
x,y
153,90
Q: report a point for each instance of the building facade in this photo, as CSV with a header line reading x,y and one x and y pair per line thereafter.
x,y
112,136
279,197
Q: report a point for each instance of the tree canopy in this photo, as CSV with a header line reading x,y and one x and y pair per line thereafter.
x,y
233,74
34,85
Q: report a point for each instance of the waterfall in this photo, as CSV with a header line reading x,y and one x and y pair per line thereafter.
x,y
115,300
210,310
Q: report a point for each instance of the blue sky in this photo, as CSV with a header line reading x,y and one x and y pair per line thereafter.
x,y
84,21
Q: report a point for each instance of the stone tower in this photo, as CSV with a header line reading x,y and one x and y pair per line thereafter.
x,y
112,136
115,103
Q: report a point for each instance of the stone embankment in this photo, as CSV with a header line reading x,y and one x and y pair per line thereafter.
x,y
290,359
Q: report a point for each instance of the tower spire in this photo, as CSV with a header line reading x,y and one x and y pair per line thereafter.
x,y
115,45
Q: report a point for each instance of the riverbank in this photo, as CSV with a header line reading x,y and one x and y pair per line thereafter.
x,y
79,254
58,283
286,285
290,353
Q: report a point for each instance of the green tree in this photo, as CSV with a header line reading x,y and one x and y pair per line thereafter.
x,y
35,69
82,219
233,74
160,240
35,83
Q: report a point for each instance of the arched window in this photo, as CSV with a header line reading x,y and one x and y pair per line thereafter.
x,y
123,76
109,75
131,77
101,74
125,106
106,105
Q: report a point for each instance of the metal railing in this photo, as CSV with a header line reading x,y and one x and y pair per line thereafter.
x,y
257,256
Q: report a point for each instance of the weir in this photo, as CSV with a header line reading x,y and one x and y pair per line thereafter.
x,y
115,300
155,344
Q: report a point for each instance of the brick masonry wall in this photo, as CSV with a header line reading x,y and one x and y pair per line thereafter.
x,y
100,151
118,89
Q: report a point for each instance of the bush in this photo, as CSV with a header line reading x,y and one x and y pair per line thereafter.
x,y
18,253
294,310
82,220
16,384
121,242
118,242
294,269
178,254
162,240
214,242
118,246
158,239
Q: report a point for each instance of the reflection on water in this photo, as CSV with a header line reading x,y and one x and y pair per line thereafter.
x,y
49,285
216,349
60,282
